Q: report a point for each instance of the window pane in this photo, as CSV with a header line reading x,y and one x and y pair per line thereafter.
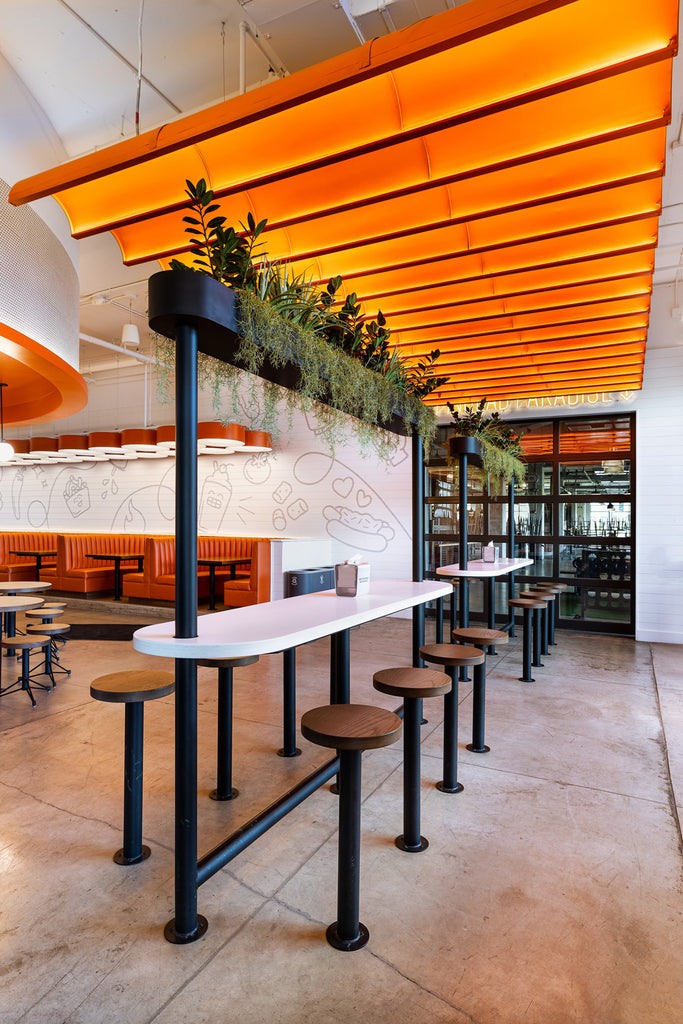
x,y
596,519
538,479
596,604
611,434
608,477
537,439
438,553
533,519
542,555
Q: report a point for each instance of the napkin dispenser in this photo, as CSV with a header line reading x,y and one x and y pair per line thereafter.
x,y
489,553
351,579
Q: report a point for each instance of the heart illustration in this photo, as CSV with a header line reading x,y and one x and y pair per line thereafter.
x,y
363,499
343,486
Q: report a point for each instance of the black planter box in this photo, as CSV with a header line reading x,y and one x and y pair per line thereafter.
x,y
183,297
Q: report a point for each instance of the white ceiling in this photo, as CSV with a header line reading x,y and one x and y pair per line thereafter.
x,y
80,59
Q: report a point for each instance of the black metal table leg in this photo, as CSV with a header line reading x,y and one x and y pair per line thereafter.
x,y
289,747
224,789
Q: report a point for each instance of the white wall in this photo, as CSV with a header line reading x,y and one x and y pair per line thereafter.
x,y
299,491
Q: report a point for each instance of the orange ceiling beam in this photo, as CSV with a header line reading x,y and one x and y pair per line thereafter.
x,y
484,177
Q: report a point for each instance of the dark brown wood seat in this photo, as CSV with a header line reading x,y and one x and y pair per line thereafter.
x,y
224,788
412,685
350,729
132,689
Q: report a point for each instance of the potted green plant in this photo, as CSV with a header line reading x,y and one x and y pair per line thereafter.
x,y
286,330
489,439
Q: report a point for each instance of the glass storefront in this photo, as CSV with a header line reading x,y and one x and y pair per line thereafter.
x,y
574,515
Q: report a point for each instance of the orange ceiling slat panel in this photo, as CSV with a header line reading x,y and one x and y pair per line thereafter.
x,y
490,178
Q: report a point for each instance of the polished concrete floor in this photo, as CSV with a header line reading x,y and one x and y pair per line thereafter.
x,y
550,893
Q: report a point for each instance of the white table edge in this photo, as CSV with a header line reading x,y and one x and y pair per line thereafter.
x,y
475,567
302,619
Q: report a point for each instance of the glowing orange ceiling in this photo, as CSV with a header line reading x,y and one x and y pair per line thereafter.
x,y
490,178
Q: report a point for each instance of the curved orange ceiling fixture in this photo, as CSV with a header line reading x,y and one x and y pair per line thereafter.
x,y
42,386
502,160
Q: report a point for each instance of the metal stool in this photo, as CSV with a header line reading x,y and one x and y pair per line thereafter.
x,y
554,619
349,729
452,657
47,629
548,615
25,645
47,614
529,605
224,789
411,685
483,638
132,689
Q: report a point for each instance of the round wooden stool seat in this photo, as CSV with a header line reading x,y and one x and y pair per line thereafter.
x,y
411,682
45,613
480,635
130,687
459,655
249,659
545,595
351,726
26,643
48,628
526,602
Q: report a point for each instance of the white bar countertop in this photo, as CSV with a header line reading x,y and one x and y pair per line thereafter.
x,y
278,625
479,568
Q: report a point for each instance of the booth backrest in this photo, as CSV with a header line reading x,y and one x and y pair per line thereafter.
x,y
24,539
73,548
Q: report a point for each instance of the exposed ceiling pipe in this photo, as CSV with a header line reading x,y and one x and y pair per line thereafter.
x,y
113,49
344,6
119,349
246,30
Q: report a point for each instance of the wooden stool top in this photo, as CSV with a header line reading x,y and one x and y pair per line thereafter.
x,y
459,655
550,588
545,595
412,682
125,687
526,602
48,628
480,634
351,726
19,604
23,643
45,613
248,659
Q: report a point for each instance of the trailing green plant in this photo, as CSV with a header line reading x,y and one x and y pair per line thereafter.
x,y
501,446
232,258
